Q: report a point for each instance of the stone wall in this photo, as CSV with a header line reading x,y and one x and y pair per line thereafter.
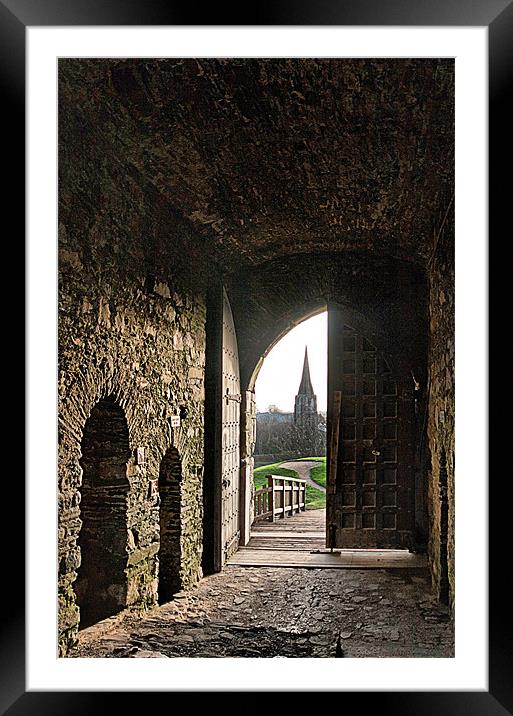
x,y
153,365
131,326
441,413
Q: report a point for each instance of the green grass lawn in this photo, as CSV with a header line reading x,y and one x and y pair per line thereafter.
x,y
315,499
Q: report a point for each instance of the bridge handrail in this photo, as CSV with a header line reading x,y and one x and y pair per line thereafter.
x,y
280,500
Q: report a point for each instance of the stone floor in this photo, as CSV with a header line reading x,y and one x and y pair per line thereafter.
x,y
284,612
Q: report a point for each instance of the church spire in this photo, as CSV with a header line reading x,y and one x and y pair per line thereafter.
x,y
305,387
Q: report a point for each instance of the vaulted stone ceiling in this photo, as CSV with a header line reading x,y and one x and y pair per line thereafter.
x,y
266,158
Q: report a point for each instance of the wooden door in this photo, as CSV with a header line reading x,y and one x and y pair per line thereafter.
x,y
230,454
370,500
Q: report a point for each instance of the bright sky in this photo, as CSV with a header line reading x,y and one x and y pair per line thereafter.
x,y
280,375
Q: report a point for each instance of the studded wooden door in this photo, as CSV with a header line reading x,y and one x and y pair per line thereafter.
x,y
370,500
230,470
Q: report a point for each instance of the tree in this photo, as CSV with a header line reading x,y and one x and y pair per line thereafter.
x,y
281,436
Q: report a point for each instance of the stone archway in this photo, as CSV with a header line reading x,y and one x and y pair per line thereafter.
x,y
277,295
101,584
300,314
170,487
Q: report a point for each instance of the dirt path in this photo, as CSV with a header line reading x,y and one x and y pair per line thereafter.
x,y
303,467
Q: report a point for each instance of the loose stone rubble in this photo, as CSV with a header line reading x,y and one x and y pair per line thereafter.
x,y
275,612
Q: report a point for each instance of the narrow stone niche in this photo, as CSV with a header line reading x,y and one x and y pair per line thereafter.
x,y
101,585
443,591
170,485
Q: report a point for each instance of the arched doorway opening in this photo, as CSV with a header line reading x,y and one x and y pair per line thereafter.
x,y
101,585
368,294
370,423
170,485
290,391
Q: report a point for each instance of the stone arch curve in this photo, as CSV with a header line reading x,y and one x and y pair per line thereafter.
x,y
303,313
356,319
274,296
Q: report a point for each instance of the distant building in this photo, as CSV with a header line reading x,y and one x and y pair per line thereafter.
x,y
275,409
302,432
305,405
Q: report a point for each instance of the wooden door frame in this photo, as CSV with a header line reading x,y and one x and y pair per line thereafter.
x,y
212,494
244,484
212,487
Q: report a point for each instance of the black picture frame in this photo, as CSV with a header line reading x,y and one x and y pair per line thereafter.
x,y
497,15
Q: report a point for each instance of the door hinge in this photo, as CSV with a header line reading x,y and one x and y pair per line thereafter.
x,y
237,397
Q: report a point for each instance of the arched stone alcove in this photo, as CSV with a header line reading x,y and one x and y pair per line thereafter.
x,y
101,584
